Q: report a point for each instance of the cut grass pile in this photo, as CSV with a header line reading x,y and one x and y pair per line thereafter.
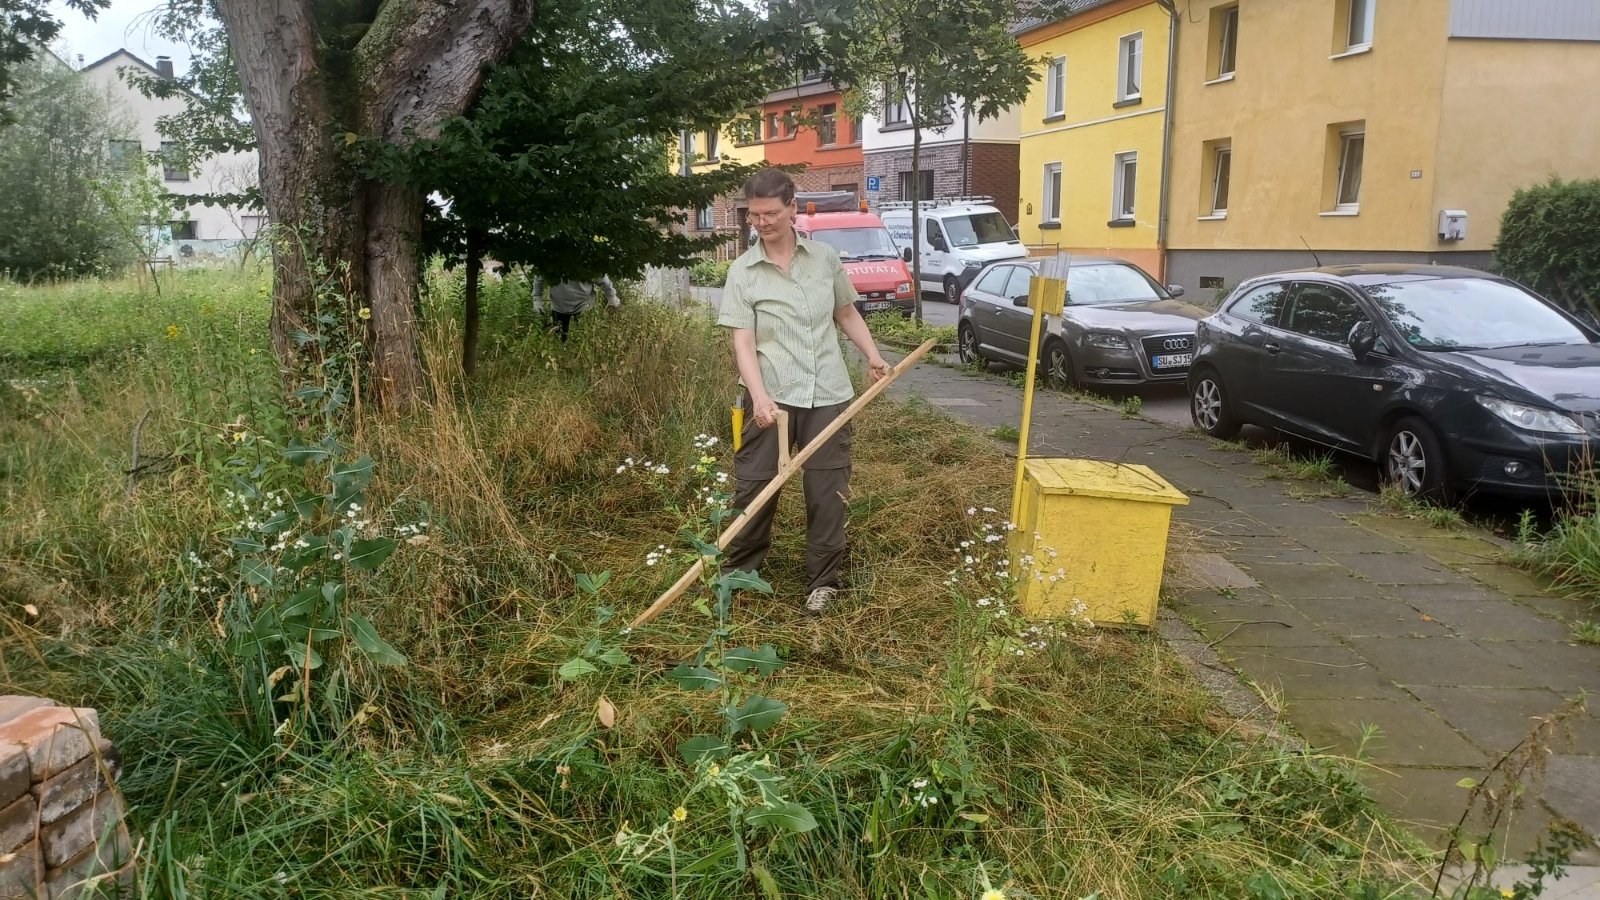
x,y
933,765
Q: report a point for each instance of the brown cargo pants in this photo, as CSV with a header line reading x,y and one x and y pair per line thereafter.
x,y
826,479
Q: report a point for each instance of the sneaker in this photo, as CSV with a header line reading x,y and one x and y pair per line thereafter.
x,y
817,600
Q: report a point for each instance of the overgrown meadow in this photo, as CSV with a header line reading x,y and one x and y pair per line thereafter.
x,y
349,654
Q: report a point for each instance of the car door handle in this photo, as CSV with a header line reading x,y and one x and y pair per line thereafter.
x,y
1272,347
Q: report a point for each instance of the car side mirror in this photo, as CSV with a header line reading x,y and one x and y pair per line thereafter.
x,y
1175,290
905,254
1020,301
1363,337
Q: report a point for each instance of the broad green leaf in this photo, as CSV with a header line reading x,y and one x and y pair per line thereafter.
x,y
299,452
353,477
306,505
333,593
376,648
1468,783
743,659
769,885
695,678
740,580
701,547
247,545
615,657
591,584
603,614
298,656
308,393
790,816
757,714
303,603
281,521
296,558
978,818
297,632
702,747
768,782
256,572
370,553
576,668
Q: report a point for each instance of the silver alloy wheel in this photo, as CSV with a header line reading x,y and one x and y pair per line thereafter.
x,y
1206,404
967,344
1408,463
1057,367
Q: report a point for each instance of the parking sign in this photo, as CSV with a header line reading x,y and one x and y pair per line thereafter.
x,y
874,183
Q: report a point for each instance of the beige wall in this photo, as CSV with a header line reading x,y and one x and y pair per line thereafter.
x,y
1289,87
1514,113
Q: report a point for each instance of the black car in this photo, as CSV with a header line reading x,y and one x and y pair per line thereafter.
x,y
1448,378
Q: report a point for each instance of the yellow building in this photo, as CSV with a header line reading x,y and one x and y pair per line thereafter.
x,y
1092,131
735,143
1366,130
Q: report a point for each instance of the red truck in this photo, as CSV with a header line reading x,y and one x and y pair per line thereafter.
x,y
880,277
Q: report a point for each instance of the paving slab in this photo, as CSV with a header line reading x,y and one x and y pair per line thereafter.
x,y
1567,668
1441,660
1231,627
1213,570
1492,620
1289,581
1369,616
1397,568
1347,538
1496,719
1407,733
1319,672
1431,801
1572,789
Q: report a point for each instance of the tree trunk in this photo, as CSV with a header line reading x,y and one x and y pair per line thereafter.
x,y
418,64
469,333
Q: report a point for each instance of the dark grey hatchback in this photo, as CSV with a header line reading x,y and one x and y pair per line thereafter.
x,y
1449,378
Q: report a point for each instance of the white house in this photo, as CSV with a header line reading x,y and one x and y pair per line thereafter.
x,y
965,157
204,230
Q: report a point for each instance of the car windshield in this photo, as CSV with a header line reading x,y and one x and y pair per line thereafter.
x,y
1475,313
1111,283
978,228
857,243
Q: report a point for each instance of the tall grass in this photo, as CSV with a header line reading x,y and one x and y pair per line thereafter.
x,y
475,770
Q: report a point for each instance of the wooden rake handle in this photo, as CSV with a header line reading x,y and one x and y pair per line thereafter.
x,y
785,472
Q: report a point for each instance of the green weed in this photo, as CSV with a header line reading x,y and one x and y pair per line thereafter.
x,y
1008,433
904,331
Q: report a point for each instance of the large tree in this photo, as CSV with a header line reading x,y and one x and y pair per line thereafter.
x,y
941,58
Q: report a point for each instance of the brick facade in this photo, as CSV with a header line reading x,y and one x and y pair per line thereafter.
x,y
727,212
993,172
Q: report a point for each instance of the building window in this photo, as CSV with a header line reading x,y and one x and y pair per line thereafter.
x,y
125,153
1125,179
1224,41
772,126
1050,212
1055,88
183,231
790,124
1221,167
705,218
896,111
1358,27
711,146
1130,67
854,124
827,124
845,188
919,188
1352,148
171,165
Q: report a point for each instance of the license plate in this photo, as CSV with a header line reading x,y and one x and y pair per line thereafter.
x,y
876,305
1172,361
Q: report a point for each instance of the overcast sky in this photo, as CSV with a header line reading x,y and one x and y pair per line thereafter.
x,y
125,24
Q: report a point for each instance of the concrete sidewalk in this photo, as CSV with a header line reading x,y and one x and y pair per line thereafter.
x,y
1349,618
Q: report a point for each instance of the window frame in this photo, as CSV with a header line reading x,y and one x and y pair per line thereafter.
x,y
909,179
1291,302
1219,152
1347,138
1055,88
1123,208
705,218
168,171
896,111
1283,288
772,127
1228,42
712,150
1005,279
1368,22
1050,201
828,125
184,229
1129,46
1027,273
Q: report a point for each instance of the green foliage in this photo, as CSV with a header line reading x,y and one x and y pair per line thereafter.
x,y
900,331
55,173
26,27
1550,241
709,272
1569,552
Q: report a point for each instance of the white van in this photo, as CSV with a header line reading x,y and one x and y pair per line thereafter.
x,y
960,236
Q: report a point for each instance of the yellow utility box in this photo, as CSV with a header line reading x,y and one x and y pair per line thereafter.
x,y
1107,523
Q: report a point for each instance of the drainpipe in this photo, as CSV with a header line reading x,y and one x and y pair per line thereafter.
x,y
1166,135
966,149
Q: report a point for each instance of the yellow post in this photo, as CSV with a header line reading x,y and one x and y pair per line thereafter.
x,y
1046,296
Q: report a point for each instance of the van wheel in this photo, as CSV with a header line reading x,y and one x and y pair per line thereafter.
x,y
952,289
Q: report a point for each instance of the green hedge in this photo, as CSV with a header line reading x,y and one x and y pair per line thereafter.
x,y
1550,241
708,273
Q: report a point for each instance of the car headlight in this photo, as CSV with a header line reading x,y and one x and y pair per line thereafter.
x,y
1531,418
972,264
1106,341
903,287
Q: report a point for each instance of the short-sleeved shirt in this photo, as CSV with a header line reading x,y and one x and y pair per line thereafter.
x,y
791,314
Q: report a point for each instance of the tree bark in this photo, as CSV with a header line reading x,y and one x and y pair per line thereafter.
x,y
419,63
469,333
